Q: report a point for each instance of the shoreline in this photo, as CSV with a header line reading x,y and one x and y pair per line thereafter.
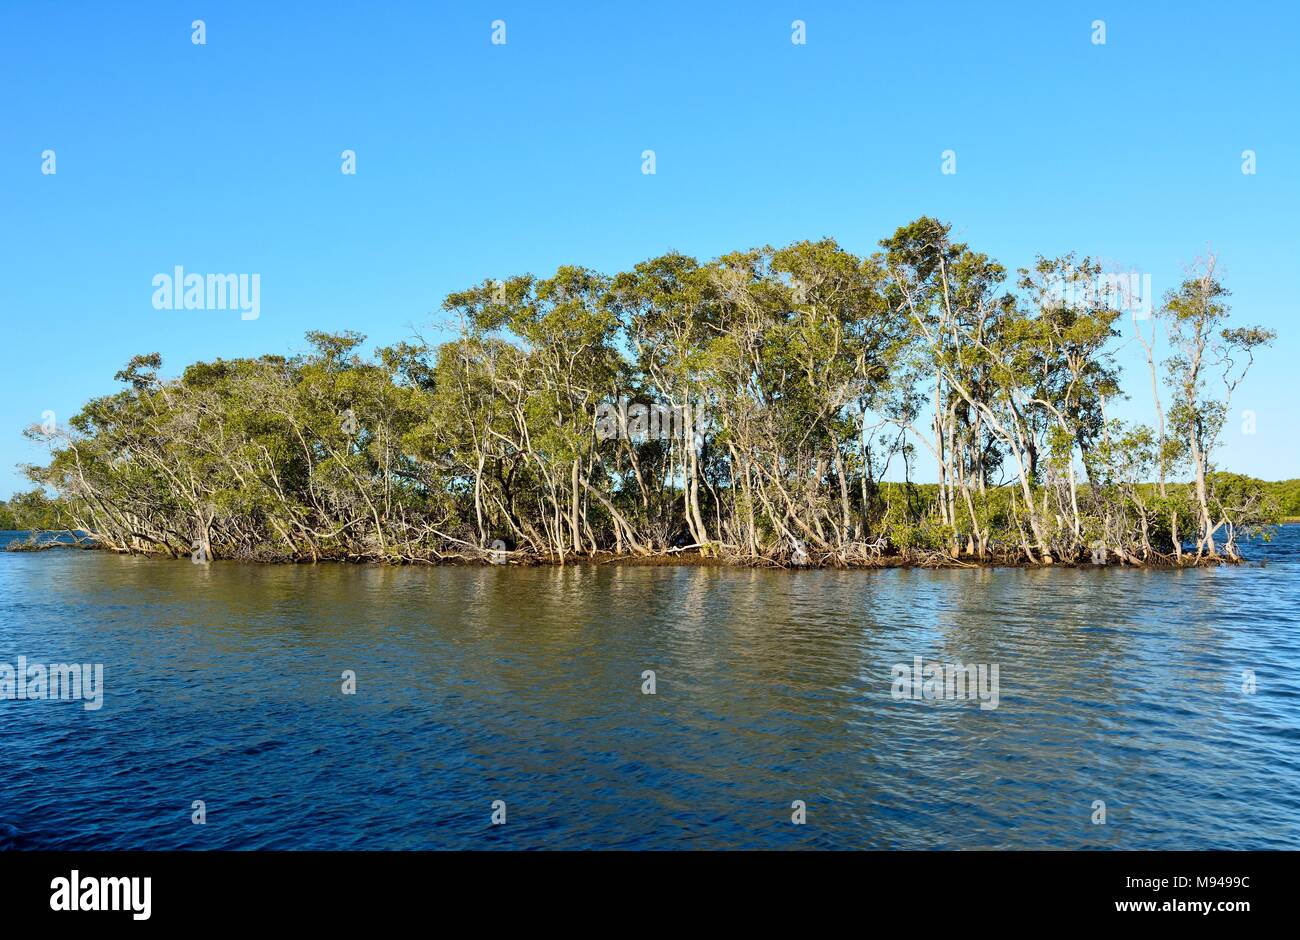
x,y
682,559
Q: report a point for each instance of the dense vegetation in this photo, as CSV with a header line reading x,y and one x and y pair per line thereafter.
x,y
748,407
1286,494
30,511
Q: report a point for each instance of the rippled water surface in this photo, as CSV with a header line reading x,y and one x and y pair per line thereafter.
x,y
222,684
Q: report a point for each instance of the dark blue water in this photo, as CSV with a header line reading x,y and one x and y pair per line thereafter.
x,y
524,685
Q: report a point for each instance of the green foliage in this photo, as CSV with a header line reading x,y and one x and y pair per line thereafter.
x,y
32,511
750,405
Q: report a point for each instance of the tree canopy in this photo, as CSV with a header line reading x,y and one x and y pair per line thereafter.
x,y
749,407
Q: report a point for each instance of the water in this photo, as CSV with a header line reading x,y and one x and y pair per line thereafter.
x,y
524,685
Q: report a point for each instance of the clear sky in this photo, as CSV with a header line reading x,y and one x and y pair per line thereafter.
x,y
477,160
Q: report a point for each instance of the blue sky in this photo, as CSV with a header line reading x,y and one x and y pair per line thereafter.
x,y
477,160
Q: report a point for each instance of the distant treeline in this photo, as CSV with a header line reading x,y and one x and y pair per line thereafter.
x,y
1286,493
748,408
31,511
